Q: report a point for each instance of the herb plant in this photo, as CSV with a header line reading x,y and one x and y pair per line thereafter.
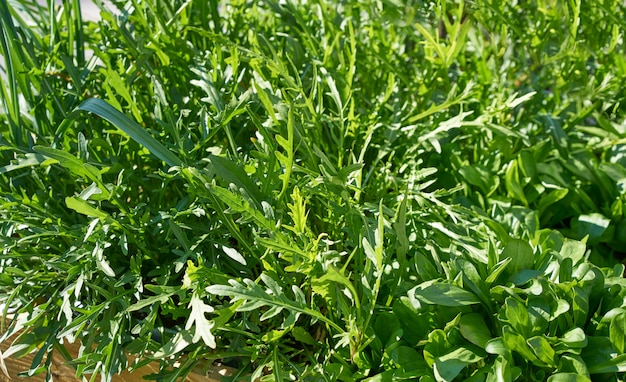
x,y
318,191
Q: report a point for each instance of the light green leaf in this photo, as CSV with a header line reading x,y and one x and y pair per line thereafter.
x,y
234,254
29,160
542,349
448,367
617,332
197,319
568,377
83,207
517,316
513,186
439,293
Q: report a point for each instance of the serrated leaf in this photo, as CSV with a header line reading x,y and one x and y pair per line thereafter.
x,y
29,160
197,319
251,292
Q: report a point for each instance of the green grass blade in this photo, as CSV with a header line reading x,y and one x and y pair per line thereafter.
x,y
136,132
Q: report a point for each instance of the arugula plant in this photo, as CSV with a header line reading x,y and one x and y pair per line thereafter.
x,y
374,191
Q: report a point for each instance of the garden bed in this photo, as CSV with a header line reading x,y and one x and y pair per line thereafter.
x,y
427,190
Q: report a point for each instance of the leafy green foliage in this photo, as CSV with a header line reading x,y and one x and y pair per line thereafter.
x,y
428,190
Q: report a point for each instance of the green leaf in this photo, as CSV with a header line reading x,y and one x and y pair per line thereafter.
x,y
234,254
517,316
83,207
617,332
474,329
69,161
542,349
481,177
568,377
233,173
197,320
324,286
28,160
136,132
551,198
516,342
521,255
593,225
575,338
512,183
439,293
301,335
254,297
448,366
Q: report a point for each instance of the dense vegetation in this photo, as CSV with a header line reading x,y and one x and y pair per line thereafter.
x,y
317,190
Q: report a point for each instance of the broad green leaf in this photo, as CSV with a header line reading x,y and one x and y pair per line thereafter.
x,y
543,350
136,132
441,293
617,332
303,336
496,346
573,363
551,198
521,255
437,345
601,357
560,307
539,310
593,225
513,186
448,366
503,371
568,377
474,329
481,177
516,342
575,338
517,316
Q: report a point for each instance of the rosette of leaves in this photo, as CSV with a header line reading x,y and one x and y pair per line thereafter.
x,y
536,310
